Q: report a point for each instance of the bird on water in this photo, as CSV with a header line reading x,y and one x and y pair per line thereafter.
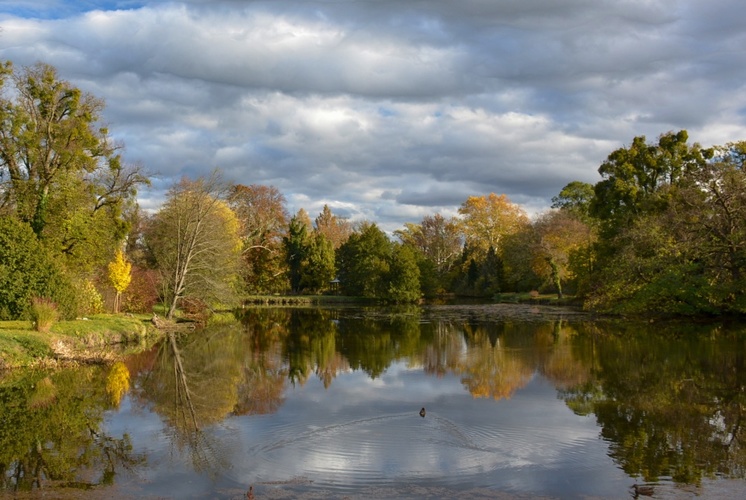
x,y
422,412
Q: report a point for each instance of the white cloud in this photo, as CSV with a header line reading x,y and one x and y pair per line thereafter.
x,y
393,111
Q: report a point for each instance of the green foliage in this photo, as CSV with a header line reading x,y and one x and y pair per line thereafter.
x,y
89,299
403,276
319,267
64,175
27,271
363,262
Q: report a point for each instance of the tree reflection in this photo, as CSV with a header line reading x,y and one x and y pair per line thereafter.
x,y
52,433
670,404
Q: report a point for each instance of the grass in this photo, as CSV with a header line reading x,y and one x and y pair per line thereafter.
x,y
88,339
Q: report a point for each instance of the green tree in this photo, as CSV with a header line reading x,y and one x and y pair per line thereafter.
x,y
320,266
363,262
575,197
61,173
403,276
195,241
296,244
28,271
636,179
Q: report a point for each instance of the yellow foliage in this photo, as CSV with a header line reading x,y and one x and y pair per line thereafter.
x,y
117,383
120,272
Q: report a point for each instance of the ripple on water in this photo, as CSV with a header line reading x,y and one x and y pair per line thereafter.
x,y
380,449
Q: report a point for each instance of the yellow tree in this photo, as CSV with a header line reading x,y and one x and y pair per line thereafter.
x,y
556,235
486,220
120,275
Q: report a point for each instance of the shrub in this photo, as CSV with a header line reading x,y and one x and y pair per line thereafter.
x,y
142,294
44,313
89,299
27,271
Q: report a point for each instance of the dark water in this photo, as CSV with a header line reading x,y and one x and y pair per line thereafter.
x,y
319,403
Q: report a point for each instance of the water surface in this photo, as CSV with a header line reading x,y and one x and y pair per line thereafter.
x,y
319,403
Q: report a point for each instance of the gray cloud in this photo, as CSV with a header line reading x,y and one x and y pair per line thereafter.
x,y
393,110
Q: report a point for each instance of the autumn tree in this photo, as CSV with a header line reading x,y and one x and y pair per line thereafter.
x,y
263,222
120,275
438,241
557,236
486,220
195,242
335,229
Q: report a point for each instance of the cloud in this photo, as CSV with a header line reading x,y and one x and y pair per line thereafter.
x,y
392,111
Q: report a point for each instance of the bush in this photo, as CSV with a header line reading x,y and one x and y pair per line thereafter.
x,y
28,271
142,294
43,313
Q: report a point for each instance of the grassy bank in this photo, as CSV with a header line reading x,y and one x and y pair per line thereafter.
x,y
100,338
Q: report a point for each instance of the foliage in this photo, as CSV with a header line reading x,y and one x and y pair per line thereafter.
x,y
195,241
142,294
120,276
89,298
335,229
27,271
403,276
263,219
437,241
678,245
363,262
296,246
60,173
487,220
43,313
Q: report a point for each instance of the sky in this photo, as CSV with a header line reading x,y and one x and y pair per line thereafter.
x,y
392,110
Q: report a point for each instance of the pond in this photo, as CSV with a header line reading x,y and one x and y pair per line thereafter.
x,y
519,402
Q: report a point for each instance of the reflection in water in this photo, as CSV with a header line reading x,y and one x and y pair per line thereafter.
x,y
669,404
51,432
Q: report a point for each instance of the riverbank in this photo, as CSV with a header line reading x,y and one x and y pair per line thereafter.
x,y
101,338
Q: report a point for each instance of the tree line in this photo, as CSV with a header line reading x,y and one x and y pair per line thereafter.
x,y
664,230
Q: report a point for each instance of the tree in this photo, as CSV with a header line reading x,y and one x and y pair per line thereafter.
x,y
403,275
60,173
27,271
335,229
296,249
195,241
264,219
575,197
558,234
363,262
486,220
437,238
120,275
320,267
634,178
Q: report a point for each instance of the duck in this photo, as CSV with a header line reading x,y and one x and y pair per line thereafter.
x,y
643,489
422,412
